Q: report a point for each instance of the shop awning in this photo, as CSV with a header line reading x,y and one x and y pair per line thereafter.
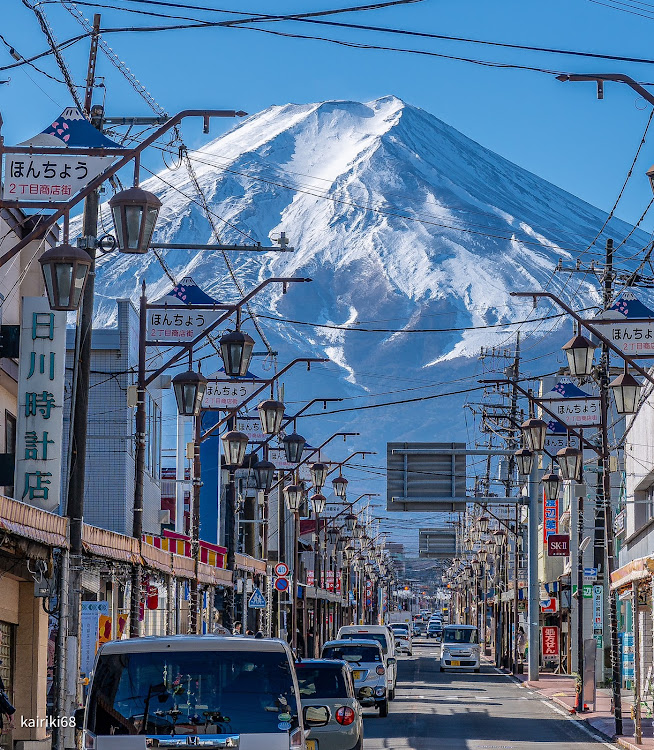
x,y
33,523
636,570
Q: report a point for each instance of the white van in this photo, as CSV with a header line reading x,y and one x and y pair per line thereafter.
x,y
195,691
460,648
384,635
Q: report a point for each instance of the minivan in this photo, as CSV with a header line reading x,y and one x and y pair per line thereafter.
x,y
384,635
460,647
191,691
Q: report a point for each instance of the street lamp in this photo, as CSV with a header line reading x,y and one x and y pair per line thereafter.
x,y
271,414
551,482
264,472
318,501
350,522
580,351
293,447
189,390
340,486
236,351
135,213
294,493
525,460
570,462
234,446
626,392
319,473
333,535
534,431
65,270
482,524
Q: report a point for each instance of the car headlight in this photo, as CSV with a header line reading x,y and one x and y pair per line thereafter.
x,y
380,692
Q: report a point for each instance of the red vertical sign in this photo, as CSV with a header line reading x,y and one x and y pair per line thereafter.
x,y
550,642
550,518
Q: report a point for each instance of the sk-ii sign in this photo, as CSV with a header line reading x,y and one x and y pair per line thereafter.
x,y
39,425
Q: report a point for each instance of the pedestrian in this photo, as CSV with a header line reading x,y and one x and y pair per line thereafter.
x,y
522,643
238,628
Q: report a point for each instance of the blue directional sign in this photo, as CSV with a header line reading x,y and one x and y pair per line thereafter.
x,y
257,600
590,574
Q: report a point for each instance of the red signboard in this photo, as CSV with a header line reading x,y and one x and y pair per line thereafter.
x,y
550,517
549,605
558,545
550,642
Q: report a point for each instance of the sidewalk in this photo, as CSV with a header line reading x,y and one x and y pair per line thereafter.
x,y
560,689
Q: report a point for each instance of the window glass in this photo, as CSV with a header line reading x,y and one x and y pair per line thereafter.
x,y
354,654
320,682
198,692
379,637
460,635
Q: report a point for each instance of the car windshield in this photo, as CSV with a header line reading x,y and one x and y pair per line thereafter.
x,y
379,637
353,654
321,681
199,692
460,635
399,630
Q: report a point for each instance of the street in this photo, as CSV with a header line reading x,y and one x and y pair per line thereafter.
x,y
457,711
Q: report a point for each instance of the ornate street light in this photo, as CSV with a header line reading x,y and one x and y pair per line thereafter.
x,y
236,352
271,414
476,567
350,522
500,537
318,473
570,462
482,555
293,447
626,392
340,486
534,431
551,482
580,351
135,213
294,493
333,535
482,524
189,390
318,501
264,472
234,446
525,460
65,270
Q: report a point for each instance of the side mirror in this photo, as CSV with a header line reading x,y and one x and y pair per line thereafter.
x,y
391,660
79,718
316,716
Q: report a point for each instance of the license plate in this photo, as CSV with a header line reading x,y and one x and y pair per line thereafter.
x,y
312,745
456,663
357,676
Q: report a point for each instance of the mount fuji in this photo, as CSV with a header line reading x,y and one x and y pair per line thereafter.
x,y
403,223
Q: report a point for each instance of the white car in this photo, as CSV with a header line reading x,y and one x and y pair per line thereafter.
x,y
460,648
403,640
384,636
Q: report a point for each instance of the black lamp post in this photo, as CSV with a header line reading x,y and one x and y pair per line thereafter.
x,y
65,270
482,524
525,460
135,213
580,351
551,482
264,472
271,414
534,431
626,392
570,462
236,351
319,473
293,447
235,444
318,501
340,486
189,390
350,522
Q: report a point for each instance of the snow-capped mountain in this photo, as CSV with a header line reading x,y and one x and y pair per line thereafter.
x,y
401,221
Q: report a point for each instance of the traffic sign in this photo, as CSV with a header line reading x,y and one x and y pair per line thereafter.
x,y
282,584
257,600
281,569
590,574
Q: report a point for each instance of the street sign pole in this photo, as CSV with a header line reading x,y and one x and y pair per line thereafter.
x,y
533,587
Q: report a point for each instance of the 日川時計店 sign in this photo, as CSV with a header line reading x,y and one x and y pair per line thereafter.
x,y
40,404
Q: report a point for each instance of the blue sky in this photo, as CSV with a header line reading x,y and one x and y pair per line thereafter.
x,y
559,131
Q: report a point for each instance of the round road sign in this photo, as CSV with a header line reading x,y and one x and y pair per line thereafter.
x,y
281,569
281,584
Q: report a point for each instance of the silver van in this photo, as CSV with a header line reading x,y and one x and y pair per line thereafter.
x,y
195,691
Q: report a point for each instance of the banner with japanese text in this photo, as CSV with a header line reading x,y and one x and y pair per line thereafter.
x,y
39,424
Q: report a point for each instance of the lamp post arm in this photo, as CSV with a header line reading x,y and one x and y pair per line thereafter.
x,y
339,464
589,327
288,420
599,78
41,229
540,404
231,414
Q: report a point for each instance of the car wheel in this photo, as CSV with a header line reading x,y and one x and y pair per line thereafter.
x,y
383,710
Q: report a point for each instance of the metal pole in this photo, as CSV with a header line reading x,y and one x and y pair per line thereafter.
x,y
194,591
139,467
296,536
533,584
580,603
316,583
638,733
230,539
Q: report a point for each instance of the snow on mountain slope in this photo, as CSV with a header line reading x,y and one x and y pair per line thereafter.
x,y
401,221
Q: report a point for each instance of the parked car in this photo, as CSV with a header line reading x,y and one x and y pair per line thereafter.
x,y
195,690
369,669
435,629
460,647
384,636
403,640
330,685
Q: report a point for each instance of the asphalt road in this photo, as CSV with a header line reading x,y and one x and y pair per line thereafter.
x,y
468,711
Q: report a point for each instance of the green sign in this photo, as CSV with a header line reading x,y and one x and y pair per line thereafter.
x,y
588,590
599,638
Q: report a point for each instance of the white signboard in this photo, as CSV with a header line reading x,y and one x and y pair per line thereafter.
x,y
555,443
574,412
91,612
40,404
598,607
635,338
228,393
175,324
278,457
251,426
48,177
